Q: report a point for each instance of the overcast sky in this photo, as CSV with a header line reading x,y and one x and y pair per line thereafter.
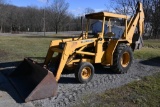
x,y
75,6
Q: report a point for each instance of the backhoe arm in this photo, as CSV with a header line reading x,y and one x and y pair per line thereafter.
x,y
136,21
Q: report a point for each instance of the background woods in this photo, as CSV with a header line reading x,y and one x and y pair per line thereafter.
x,y
57,17
31,18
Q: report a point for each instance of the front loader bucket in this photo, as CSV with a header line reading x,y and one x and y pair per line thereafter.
x,y
33,82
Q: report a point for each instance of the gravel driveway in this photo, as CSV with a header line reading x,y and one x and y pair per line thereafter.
x,y
70,92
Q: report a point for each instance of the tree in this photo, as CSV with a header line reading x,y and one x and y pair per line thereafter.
x,y
123,6
58,13
155,19
2,15
89,10
21,19
151,10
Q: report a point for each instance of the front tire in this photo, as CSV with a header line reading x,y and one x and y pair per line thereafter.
x,y
122,58
84,72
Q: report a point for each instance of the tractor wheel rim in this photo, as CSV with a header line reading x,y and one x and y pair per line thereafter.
x,y
125,59
86,72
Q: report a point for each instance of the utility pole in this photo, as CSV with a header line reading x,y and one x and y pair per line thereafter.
x,y
44,24
44,19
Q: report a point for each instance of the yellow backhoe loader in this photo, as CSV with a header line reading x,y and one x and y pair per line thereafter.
x,y
33,81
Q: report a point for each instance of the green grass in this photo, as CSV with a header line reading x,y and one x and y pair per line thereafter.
x,y
152,43
144,93
147,53
150,50
15,48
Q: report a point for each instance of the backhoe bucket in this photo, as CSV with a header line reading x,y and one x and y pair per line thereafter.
x,y
33,82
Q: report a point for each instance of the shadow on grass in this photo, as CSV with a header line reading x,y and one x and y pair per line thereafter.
x,y
152,62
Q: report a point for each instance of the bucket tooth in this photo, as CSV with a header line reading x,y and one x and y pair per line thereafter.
x,y
33,82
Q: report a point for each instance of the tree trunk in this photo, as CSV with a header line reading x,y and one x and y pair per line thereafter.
x,y
1,28
56,31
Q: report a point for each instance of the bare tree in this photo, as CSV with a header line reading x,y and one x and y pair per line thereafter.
x,y
156,18
89,10
151,10
58,11
2,14
18,19
123,6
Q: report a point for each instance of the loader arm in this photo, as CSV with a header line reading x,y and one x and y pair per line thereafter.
x,y
69,49
63,60
53,44
136,21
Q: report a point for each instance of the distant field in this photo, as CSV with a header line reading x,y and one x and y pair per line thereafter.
x,y
62,33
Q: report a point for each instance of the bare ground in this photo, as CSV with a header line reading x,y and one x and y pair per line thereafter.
x,y
69,91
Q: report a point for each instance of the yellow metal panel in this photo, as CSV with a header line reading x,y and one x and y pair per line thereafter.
x,y
126,28
52,46
103,27
85,53
63,60
80,43
130,21
99,51
78,60
56,42
131,29
81,48
110,50
100,15
114,15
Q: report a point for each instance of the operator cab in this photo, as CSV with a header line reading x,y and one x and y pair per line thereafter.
x,y
103,26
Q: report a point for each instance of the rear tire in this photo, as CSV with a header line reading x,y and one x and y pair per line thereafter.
x,y
122,58
84,72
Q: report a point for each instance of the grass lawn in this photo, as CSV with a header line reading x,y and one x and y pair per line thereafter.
x,y
151,49
15,48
